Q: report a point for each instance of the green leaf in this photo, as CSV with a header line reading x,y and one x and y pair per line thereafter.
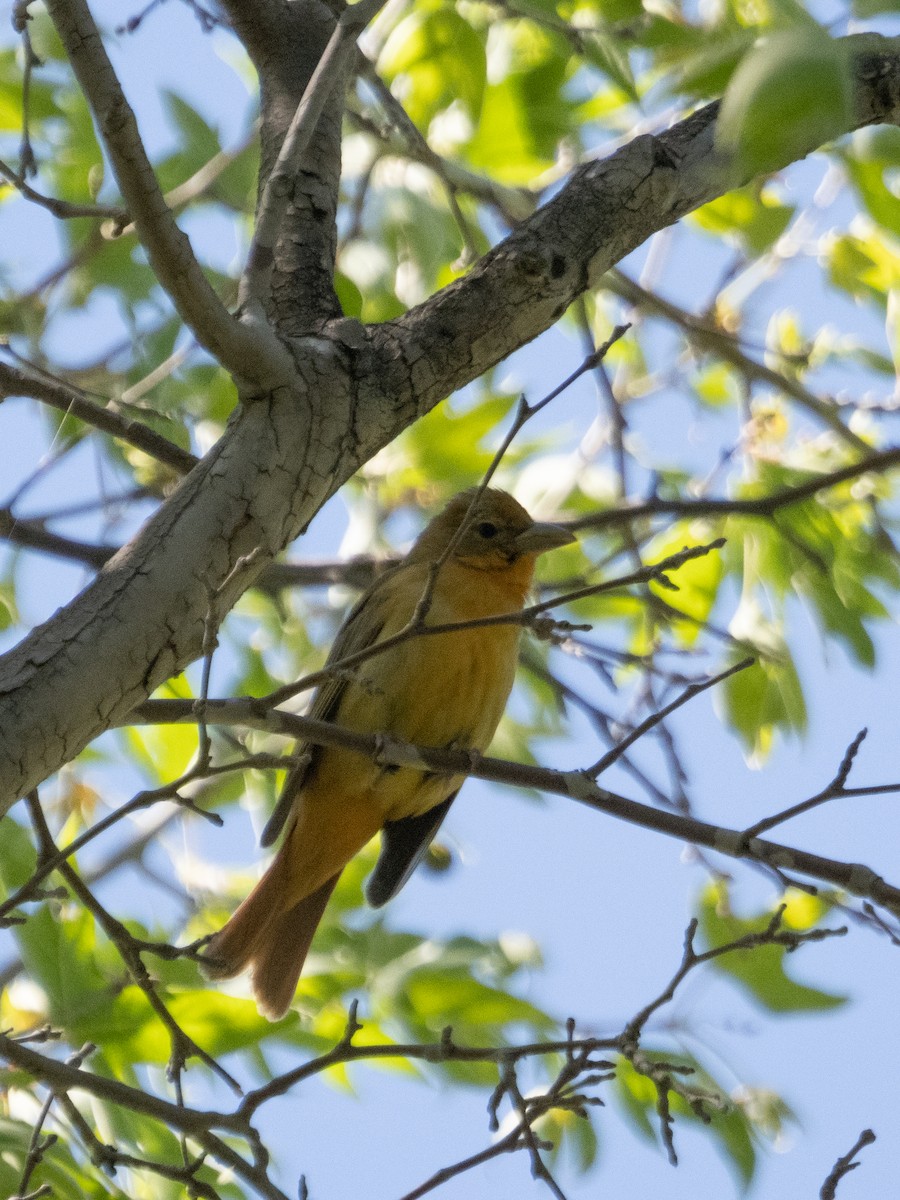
x,y
349,295
525,114
760,970
198,138
437,58
42,103
767,695
605,51
866,265
727,1122
707,71
697,580
749,216
572,1137
57,1168
164,751
789,95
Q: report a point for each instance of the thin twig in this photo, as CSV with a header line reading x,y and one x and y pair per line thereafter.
x,y
655,718
834,791
845,1165
73,402
63,209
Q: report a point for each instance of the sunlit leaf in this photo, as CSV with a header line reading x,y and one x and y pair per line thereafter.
x,y
789,95
761,970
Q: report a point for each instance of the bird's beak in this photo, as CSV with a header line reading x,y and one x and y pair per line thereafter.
x,y
542,536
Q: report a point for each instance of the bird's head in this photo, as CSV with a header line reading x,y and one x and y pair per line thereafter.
x,y
495,534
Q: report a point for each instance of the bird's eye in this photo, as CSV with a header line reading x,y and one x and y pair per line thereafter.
x,y
487,529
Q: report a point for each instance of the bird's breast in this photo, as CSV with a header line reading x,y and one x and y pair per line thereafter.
x,y
437,690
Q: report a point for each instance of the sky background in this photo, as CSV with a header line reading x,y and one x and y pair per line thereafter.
x,y
608,903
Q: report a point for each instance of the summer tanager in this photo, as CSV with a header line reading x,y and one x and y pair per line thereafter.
x,y
437,690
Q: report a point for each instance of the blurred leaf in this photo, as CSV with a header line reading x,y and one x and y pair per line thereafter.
x,y
760,970
790,94
707,71
165,751
440,59
753,218
865,265
526,112
573,1138
727,1122
764,697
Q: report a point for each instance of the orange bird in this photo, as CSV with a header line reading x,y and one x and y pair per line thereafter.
x,y
436,690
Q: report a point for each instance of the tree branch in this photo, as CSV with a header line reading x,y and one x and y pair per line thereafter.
x,y
845,1165
73,402
251,354
875,462
63,209
855,878
330,73
605,210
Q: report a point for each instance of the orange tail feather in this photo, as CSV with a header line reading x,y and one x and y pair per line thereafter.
x,y
281,950
272,930
233,947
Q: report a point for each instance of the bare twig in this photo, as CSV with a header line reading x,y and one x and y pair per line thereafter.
x,y
63,209
834,791
655,718
666,1076
845,1165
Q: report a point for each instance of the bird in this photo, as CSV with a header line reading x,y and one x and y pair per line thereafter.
x,y
444,690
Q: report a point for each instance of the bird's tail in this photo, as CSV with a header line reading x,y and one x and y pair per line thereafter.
x,y
272,930
281,951
271,942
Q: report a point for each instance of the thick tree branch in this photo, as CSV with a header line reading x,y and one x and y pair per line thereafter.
x,y
293,266
251,354
606,210
330,75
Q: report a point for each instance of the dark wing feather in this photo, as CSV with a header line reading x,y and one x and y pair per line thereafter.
x,y
354,635
403,845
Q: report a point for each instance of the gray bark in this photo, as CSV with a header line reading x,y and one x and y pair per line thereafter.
x,y
349,391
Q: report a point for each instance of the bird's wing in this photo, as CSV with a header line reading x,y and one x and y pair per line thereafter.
x,y
361,629
403,845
